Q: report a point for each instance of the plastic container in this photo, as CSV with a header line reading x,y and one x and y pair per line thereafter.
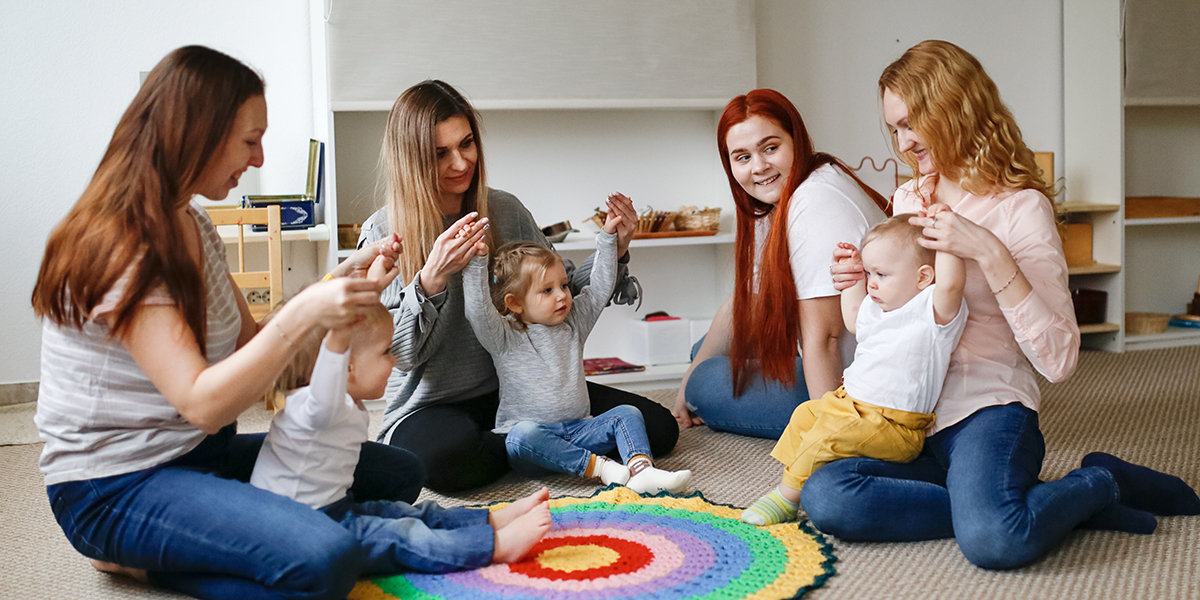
x,y
660,342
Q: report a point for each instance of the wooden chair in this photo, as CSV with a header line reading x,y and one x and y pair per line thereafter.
x,y
272,278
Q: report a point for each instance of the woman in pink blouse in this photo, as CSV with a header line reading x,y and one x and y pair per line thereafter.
x,y
977,478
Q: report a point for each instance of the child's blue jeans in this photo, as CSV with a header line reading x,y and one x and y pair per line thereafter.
x,y
399,537
535,449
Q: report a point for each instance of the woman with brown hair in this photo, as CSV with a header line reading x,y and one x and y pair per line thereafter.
x,y
444,393
149,354
779,339
977,478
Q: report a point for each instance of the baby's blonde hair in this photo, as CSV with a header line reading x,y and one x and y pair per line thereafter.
x,y
298,372
513,267
899,229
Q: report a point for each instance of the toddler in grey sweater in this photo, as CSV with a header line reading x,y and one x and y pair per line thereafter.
x,y
535,331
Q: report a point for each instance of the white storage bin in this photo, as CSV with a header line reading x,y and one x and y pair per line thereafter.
x,y
660,342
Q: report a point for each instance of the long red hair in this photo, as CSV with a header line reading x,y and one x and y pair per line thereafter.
x,y
128,213
766,322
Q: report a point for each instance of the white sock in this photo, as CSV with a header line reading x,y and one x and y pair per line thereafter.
x,y
645,479
611,471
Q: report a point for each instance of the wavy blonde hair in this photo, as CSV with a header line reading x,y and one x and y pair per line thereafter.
x,y
409,168
955,106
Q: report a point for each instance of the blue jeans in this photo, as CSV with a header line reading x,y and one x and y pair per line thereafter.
x,y
976,481
196,527
535,449
762,411
399,537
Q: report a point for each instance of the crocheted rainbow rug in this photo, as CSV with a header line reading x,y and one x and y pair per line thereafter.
x,y
616,545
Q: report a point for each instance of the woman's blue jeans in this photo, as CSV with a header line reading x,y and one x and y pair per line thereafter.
x,y
976,481
535,449
762,411
196,527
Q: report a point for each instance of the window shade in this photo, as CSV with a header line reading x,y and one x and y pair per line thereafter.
x,y
550,52
1162,51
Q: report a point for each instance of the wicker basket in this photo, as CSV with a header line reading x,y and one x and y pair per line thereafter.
x,y
654,221
691,218
1144,323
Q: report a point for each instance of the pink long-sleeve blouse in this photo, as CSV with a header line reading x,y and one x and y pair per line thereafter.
x,y
1000,347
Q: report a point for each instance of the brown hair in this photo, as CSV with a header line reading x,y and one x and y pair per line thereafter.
x,y
127,216
298,372
956,108
898,228
513,268
766,324
409,168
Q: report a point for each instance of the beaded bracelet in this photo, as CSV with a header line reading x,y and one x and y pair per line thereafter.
x,y
1005,286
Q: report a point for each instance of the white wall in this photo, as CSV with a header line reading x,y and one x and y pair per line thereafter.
x,y
71,68
826,56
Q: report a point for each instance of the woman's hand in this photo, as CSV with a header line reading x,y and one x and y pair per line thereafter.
x,y
357,264
684,416
337,302
847,267
622,206
948,231
452,251
382,272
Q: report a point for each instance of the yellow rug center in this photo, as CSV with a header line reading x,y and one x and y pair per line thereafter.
x,y
577,558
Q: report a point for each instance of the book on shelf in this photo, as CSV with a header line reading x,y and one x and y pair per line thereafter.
x,y
298,211
610,365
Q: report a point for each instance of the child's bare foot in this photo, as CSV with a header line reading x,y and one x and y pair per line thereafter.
x,y
115,569
516,539
504,516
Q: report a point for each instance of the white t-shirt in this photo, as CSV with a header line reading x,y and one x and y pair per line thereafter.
x,y
829,207
311,451
903,354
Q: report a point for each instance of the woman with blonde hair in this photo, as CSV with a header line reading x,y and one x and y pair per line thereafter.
x,y
779,339
149,354
443,395
977,478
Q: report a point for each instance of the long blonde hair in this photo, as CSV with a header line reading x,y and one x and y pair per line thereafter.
x,y
955,106
409,168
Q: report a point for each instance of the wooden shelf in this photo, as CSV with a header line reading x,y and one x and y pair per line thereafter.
x,y
1162,221
1064,208
316,233
1095,269
1099,328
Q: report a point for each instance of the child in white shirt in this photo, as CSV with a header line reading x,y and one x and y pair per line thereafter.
x,y
907,314
312,448
535,331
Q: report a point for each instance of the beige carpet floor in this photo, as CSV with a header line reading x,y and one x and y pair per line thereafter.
x,y
1143,406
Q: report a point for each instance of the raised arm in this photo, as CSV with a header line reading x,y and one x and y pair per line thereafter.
x,y
590,302
327,386
846,259
489,326
950,274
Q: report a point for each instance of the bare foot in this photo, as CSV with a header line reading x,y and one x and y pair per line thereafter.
x,y
115,569
516,539
499,518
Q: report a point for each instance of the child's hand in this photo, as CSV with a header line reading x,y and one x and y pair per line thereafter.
x,y
847,268
382,272
621,205
612,222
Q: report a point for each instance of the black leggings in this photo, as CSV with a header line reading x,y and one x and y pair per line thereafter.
x,y
460,452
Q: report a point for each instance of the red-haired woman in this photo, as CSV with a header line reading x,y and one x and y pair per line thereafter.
x,y
149,354
793,207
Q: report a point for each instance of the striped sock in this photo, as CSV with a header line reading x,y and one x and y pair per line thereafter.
x,y
770,509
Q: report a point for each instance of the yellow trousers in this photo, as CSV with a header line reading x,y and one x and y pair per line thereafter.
x,y
838,426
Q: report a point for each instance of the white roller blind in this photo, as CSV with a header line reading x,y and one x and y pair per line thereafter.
x,y
1162,51
544,52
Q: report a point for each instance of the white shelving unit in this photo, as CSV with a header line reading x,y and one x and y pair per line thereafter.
x,y
1118,146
